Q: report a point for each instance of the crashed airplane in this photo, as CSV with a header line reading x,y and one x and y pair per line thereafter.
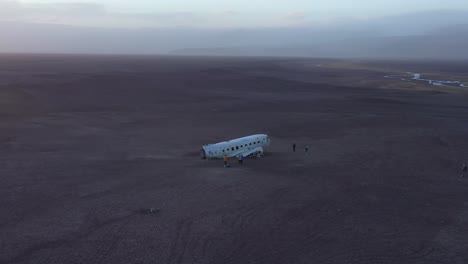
x,y
246,146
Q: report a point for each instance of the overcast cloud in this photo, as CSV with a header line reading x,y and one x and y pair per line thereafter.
x,y
99,15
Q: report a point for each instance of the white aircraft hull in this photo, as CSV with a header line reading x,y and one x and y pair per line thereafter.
x,y
246,146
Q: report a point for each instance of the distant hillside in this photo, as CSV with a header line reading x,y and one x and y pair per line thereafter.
x,y
418,47
435,34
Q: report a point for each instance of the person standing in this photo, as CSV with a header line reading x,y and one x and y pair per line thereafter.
x,y
464,170
294,147
241,159
225,161
306,149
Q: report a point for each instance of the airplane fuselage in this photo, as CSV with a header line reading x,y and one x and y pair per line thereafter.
x,y
245,146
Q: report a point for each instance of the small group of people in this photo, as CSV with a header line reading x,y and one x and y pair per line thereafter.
x,y
240,158
306,148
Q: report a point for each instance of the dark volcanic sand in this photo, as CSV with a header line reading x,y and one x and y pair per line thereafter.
x,y
88,143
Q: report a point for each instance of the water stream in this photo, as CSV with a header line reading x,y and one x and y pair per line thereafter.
x,y
409,76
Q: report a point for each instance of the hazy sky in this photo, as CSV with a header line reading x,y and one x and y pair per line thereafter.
x,y
303,27
210,13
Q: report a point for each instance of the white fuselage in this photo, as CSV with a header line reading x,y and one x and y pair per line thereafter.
x,y
242,146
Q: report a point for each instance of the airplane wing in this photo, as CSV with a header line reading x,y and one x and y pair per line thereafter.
x,y
250,152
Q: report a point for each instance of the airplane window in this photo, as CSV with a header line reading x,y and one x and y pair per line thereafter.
x,y
237,147
232,148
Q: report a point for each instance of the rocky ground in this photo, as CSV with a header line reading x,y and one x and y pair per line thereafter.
x,y
89,144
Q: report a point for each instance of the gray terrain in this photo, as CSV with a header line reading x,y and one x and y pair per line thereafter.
x,y
89,144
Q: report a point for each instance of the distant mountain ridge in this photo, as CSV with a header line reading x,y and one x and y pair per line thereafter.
x,y
439,37
435,34
453,47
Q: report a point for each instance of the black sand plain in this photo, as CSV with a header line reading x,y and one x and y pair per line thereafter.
x,y
89,144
